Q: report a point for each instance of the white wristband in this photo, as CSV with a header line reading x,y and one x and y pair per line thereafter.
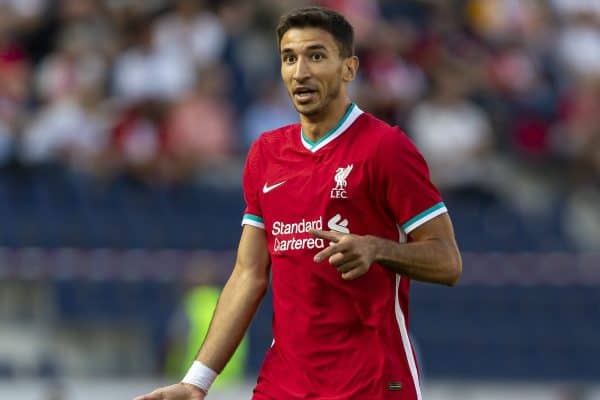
x,y
200,375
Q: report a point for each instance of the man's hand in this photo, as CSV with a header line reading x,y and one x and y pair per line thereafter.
x,y
179,391
352,255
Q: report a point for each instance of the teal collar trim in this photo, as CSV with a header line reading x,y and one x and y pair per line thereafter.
x,y
349,117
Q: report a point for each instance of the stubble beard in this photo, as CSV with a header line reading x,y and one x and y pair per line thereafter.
x,y
321,106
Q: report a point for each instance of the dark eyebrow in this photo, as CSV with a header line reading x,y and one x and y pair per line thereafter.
x,y
311,47
317,47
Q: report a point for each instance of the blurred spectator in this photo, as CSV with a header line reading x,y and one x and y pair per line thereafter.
x,y
568,8
247,52
578,45
71,130
453,134
92,24
275,8
513,70
518,81
188,329
73,66
138,140
577,137
22,14
507,20
362,14
393,84
15,73
200,129
582,218
144,70
269,110
191,31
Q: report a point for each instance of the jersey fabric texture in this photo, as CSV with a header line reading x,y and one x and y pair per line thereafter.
x,y
336,339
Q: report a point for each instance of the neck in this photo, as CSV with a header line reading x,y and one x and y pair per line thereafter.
x,y
316,126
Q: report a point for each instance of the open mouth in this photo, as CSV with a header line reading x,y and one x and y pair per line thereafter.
x,y
304,93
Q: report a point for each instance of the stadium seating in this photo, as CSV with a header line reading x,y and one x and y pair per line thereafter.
x,y
489,332
51,207
507,332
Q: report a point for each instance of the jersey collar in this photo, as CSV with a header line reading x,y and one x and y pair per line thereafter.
x,y
351,115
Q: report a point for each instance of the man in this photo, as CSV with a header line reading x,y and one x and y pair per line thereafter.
x,y
341,212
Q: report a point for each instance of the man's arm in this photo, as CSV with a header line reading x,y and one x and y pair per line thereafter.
x,y
431,255
239,300
235,309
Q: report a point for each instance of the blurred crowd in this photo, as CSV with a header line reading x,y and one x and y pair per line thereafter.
x,y
501,96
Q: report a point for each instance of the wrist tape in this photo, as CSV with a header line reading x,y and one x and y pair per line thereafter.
x,y
200,375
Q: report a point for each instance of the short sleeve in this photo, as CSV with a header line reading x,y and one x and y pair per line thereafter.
x,y
251,185
409,193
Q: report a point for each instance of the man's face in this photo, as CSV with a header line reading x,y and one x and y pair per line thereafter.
x,y
311,68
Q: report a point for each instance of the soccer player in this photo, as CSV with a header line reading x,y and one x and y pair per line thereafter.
x,y
342,215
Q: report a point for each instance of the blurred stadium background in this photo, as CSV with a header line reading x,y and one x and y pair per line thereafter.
x,y
123,129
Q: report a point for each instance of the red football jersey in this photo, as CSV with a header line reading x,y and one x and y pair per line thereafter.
x,y
336,339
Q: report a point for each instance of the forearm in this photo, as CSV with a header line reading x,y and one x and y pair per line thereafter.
x,y
237,305
433,260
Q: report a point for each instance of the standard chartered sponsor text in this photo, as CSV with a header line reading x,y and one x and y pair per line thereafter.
x,y
303,226
298,244
293,243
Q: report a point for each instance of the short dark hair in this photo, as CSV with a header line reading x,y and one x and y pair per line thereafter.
x,y
322,18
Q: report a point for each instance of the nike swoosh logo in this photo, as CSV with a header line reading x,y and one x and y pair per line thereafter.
x,y
267,188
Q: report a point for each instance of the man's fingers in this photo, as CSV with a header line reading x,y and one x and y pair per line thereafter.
x,y
353,274
330,251
339,259
156,395
349,265
332,236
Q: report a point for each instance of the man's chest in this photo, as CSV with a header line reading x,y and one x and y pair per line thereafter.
x,y
316,191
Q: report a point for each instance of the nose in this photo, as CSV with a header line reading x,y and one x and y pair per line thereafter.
x,y
302,71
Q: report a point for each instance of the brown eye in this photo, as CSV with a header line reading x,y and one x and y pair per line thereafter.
x,y
289,59
317,57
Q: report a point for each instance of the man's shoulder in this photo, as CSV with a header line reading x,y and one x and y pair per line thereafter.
x,y
381,132
277,136
271,142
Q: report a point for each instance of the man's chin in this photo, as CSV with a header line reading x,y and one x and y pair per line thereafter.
x,y
308,109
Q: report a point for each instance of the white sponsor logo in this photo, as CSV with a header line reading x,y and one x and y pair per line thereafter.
x,y
298,244
341,174
281,228
336,223
294,235
267,188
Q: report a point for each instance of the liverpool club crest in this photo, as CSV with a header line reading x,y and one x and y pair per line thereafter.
x,y
341,175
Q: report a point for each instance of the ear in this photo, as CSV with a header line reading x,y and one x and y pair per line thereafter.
x,y
350,68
